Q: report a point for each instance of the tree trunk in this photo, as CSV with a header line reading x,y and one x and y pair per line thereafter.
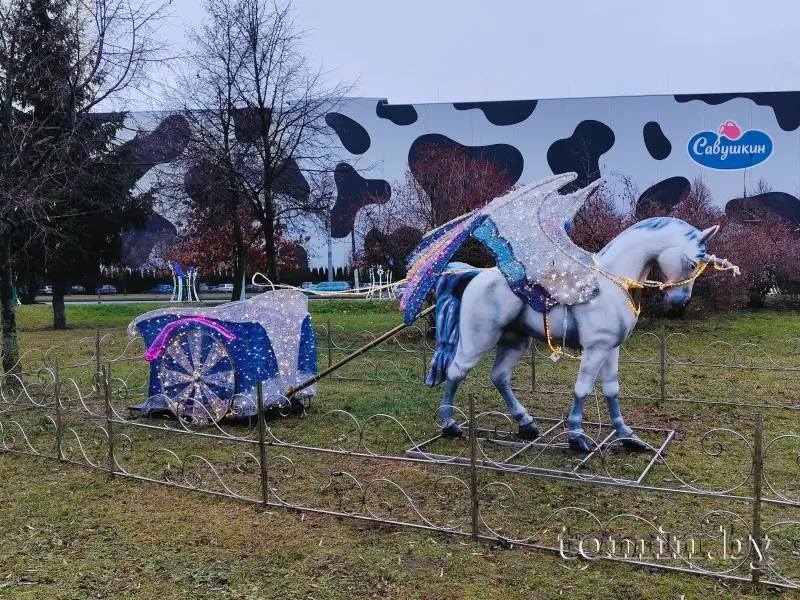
x,y
8,310
59,311
272,254
328,222
755,299
31,289
241,260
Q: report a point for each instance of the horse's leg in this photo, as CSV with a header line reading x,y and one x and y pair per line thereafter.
x,y
487,306
467,356
510,350
591,363
609,373
449,426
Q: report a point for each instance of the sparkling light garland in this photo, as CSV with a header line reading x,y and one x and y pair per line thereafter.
x,y
272,342
349,292
558,350
157,347
719,264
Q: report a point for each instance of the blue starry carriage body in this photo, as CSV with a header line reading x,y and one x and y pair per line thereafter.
x,y
205,363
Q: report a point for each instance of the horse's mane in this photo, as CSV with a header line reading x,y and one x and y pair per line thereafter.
x,y
655,224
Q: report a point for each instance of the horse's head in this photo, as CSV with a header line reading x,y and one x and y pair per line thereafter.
x,y
681,260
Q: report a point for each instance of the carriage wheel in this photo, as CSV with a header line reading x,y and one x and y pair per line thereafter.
x,y
198,373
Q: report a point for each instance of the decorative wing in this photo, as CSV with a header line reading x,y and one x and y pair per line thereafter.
x,y
537,250
437,247
430,258
525,230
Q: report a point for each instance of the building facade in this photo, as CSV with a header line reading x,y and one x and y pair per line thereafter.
x,y
656,146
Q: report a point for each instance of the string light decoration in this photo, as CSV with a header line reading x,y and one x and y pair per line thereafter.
x,y
262,281
625,284
209,360
719,264
557,350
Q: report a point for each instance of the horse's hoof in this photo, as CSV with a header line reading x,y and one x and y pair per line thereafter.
x,y
452,431
634,444
529,431
581,444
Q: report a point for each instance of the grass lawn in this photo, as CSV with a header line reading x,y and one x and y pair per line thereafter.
x,y
71,532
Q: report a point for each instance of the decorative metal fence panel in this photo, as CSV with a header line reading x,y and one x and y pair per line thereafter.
x,y
720,500
653,366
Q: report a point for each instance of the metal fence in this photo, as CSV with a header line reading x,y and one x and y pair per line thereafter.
x,y
720,501
658,366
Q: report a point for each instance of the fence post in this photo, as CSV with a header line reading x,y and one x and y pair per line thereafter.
x,y
57,394
662,347
97,353
533,366
330,343
262,445
473,466
424,354
109,424
758,469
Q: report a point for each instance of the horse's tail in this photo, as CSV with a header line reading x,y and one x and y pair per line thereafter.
x,y
449,289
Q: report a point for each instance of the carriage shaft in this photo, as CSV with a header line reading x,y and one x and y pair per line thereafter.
x,y
291,391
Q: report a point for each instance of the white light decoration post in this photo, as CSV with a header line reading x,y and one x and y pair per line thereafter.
x,y
192,287
180,284
386,281
380,280
373,283
173,268
184,282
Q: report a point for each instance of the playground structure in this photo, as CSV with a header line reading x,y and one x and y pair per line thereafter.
x,y
184,284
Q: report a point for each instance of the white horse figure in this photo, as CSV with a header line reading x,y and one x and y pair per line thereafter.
x,y
587,299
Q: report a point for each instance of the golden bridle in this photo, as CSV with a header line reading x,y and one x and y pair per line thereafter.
x,y
625,285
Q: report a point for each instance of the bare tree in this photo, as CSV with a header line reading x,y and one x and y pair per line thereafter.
x,y
628,196
51,79
762,187
697,206
597,222
263,108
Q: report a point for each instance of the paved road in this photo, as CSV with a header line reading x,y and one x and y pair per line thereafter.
x,y
110,299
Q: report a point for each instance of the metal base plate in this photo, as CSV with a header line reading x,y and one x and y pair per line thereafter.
x,y
550,453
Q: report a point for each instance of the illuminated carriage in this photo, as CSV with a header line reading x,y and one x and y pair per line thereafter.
x,y
205,363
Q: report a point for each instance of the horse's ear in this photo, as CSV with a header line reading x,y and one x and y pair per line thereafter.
x,y
707,234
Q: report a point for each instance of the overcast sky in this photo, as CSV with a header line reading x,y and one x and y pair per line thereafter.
x,y
413,51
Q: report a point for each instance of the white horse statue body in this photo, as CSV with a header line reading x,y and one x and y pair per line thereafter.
x,y
550,291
